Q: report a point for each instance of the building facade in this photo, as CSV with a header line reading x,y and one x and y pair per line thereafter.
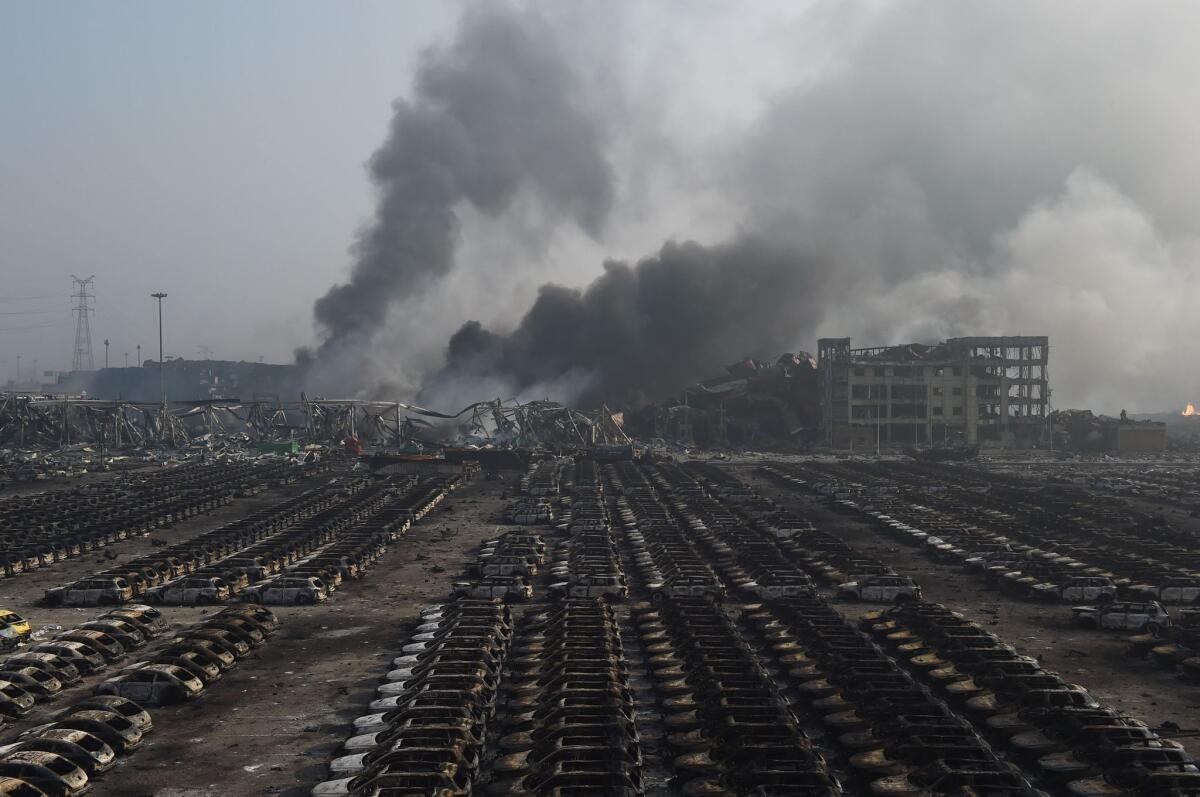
x,y
980,390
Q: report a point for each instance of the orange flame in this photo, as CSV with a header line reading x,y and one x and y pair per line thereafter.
x,y
1190,409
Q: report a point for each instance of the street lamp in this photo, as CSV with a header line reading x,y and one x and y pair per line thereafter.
x,y
162,382
106,353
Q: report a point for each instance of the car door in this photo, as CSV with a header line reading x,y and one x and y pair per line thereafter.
x,y
1138,617
1114,618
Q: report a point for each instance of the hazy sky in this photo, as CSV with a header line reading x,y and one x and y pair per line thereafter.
x,y
946,168
212,150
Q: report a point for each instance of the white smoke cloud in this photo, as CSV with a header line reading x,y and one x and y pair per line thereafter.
x,y
1087,267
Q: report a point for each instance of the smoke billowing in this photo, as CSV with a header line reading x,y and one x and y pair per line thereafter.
x,y
905,171
639,332
493,114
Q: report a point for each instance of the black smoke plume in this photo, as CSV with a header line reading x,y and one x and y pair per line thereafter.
x,y
494,114
640,332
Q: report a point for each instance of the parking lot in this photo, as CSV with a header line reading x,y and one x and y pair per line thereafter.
x,y
655,628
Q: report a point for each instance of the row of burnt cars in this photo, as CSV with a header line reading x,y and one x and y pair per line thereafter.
x,y
426,729
1009,557
62,756
1028,542
933,704
1168,637
770,542
1053,728
42,669
555,701
295,552
566,720
550,698
545,476
40,529
727,726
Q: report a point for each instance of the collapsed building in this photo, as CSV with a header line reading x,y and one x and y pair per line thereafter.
x,y
755,404
963,391
1082,430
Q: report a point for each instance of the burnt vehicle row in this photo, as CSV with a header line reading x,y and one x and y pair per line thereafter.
x,y
194,658
1050,543
41,529
828,674
146,576
504,568
348,552
1054,728
895,736
729,729
153,576
567,717
1120,756
426,730
41,670
293,552
545,477
665,561
62,757
587,564
751,528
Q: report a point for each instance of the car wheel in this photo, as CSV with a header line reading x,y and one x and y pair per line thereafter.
x,y
304,600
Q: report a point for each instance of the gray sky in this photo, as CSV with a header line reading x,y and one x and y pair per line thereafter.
x,y
211,150
1012,166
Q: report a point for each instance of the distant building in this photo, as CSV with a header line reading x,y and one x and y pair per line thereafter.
x,y
187,380
988,390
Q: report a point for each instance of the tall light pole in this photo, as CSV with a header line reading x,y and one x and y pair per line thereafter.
x,y
139,359
126,359
18,370
162,381
106,352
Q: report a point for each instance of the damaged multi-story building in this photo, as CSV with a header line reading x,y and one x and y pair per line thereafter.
x,y
979,390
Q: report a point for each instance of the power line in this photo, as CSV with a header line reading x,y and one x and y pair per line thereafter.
x,y
29,326
32,312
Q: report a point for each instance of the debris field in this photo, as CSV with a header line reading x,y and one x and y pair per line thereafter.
x,y
604,626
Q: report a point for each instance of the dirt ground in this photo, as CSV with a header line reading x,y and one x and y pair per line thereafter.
x,y
1093,659
272,724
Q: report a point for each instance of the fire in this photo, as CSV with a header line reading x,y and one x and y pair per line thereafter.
x,y
1190,409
